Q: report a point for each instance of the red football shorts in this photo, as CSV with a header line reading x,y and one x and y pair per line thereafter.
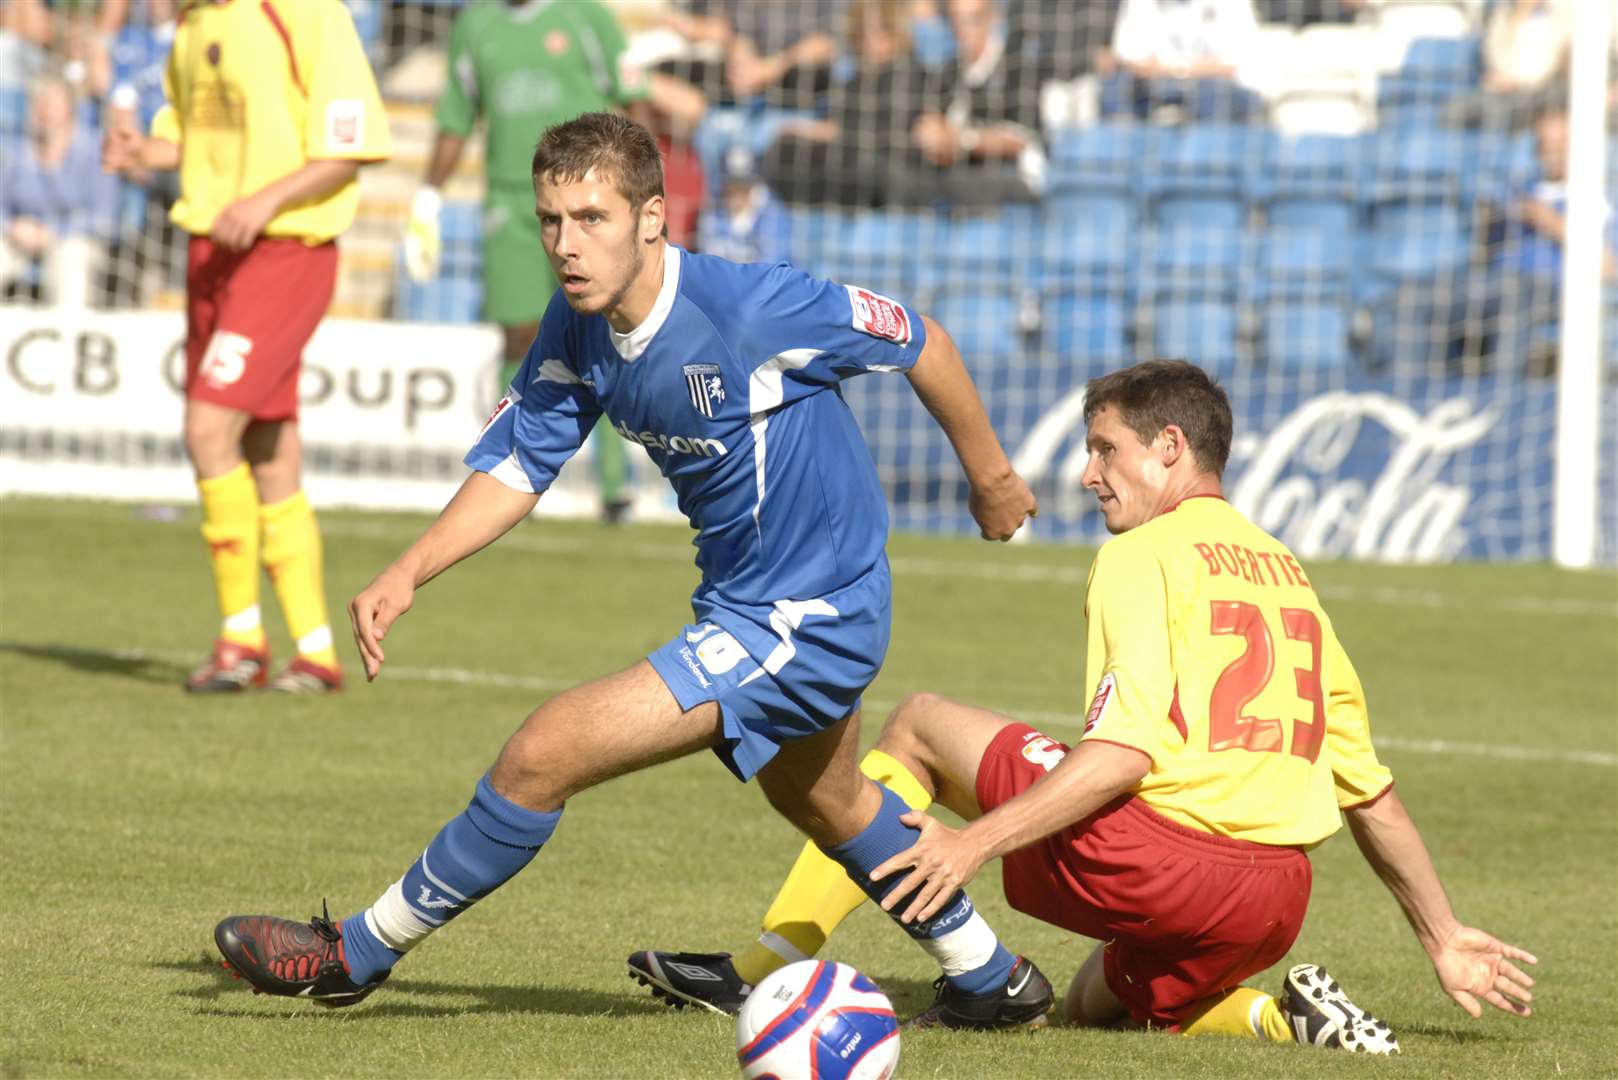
x,y
1184,914
248,316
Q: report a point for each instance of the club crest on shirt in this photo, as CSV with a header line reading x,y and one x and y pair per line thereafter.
x,y
878,315
706,388
345,124
1099,703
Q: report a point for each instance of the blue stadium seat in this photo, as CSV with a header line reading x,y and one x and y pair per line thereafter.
x,y
1205,158
1402,114
1305,334
1200,176
1087,240
985,317
461,222
1326,218
1313,167
870,248
1497,164
1426,165
1203,331
1304,262
1192,261
1418,240
449,298
1105,156
1445,61
1078,326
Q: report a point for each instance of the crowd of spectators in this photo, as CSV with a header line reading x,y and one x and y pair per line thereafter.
x,y
906,105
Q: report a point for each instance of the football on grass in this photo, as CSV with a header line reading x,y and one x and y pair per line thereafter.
x,y
817,1019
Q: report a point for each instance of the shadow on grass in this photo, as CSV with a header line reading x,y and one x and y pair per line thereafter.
x,y
1440,1033
216,987
127,663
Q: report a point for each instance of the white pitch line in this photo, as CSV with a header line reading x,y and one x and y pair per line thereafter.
x,y
1031,573
1034,717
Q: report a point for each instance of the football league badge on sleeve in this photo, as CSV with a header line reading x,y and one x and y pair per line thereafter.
x,y
878,315
706,388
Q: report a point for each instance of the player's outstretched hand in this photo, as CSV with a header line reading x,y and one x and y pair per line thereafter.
x,y
1001,507
1475,966
374,610
941,861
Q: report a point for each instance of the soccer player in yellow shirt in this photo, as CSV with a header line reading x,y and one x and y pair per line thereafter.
x,y
1227,734
272,109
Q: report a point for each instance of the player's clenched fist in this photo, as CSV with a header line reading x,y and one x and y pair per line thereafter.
x,y
374,610
1001,507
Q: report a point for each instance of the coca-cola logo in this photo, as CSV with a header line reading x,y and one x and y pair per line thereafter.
x,y
1309,480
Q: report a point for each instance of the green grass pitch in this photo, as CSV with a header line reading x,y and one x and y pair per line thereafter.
x,y
135,817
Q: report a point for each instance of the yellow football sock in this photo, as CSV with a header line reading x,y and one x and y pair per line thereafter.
x,y
1244,1012
817,894
292,556
230,526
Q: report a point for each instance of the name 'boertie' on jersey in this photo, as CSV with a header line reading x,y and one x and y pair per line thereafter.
x,y
1244,562
672,444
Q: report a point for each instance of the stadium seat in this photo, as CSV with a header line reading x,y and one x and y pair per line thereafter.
x,y
1205,332
1304,261
1418,164
1442,61
449,298
1302,334
1194,262
1418,240
1497,164
991,321
1080,327
1085,239
1313,167
1105,156
879,250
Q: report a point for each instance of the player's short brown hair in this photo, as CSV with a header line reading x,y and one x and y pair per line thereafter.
x,y
613,145
1152,395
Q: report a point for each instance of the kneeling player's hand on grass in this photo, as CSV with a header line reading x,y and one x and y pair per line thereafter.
x,y
941,861
374,610
1001,506
1473,965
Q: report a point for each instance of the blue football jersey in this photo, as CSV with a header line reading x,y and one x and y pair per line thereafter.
x,y
731,385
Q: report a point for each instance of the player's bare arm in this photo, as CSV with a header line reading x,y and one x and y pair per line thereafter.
x,y
482,511
240,223
944,859
1000,501
1472,965
125,150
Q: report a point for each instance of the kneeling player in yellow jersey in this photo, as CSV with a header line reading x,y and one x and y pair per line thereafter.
x,y
1227,734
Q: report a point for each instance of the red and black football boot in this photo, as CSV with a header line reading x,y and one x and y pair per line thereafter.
x,y
229,669
289,959
304,676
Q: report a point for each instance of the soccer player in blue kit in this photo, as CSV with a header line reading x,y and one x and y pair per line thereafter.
x,y
728,375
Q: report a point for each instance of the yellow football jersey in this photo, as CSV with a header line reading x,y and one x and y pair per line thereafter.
x,y
256,90
1208,651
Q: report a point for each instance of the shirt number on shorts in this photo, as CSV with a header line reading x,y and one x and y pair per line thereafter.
x,y
225,361
1247,676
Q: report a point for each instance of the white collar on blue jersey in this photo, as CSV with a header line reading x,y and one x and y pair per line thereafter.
x,y
632,344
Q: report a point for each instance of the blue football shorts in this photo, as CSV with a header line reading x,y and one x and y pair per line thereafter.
x,y
779,671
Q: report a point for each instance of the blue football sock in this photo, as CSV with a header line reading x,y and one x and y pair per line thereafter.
x,y
974,961
480,849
